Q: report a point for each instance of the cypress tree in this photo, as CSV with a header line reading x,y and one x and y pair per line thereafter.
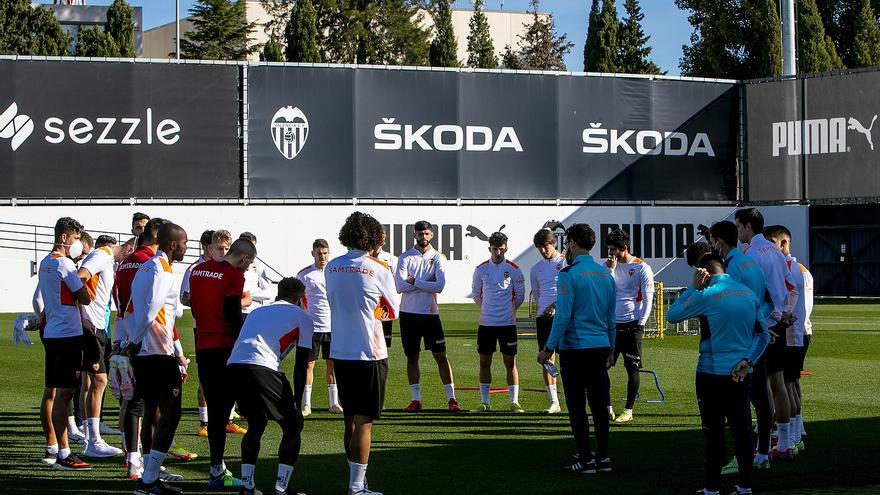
x,y
763,41
272,51
30,30
608,27
634,49
866,37
816,50
301,34
221,31
444,47
591,46
481,51
510,59
120,27
93,42
540,48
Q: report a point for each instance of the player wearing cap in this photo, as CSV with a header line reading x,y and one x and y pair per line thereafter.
x,y
362,294
420,275
498,287
260,387
543,277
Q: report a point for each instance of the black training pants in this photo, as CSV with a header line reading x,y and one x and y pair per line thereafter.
x,y
721,398
218,397
585,380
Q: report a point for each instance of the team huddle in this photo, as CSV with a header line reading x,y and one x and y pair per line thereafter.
x,y
753,305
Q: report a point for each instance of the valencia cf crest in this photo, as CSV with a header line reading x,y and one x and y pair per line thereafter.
x,y
506,275
290,130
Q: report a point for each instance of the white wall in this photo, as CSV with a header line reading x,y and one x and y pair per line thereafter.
x,y
285,233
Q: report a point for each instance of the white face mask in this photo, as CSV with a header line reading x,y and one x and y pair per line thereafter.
x,y
75,250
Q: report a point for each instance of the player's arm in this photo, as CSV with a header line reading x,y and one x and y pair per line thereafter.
x,y
401,277
647,285
564,311
83,273
519,290
439,283
761,336
80,294
159,292
37,301
692,302
245,300
611,317
235,299
533,281
185,298
389,299
792,295
477,287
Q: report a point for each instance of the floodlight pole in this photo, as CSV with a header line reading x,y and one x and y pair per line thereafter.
x,y
789,56
177,28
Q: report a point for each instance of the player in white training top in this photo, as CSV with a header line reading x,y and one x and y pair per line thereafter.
x,y
542,277
256,281
635,296
420,275
390,260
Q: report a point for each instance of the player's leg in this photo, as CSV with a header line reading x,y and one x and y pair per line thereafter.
x,y
164,387
435,341
65,356
710,391
96,364
330,376
632,361
291,436
485,348
790,375
359,452
508,343
616,353
411,332
739,418
598,395
759,392
543,325
212,373
775,367
572,369
203,412
300,373
800,416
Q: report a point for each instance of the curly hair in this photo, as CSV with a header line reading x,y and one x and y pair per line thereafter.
x,y
582,235
362,232
617,238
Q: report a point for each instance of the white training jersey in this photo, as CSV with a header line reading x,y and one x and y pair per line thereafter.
x,y
362,294
57,281
429,272
499,289
803,282
102,271
269,334
154,304
315,301
543,277
635,291
184,283
258,285
779,279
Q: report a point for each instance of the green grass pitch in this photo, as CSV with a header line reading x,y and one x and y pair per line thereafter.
x,y
503,453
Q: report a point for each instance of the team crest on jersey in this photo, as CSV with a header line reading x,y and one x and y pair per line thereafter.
x,y
95,367
290,130
506,274
632,271
175,391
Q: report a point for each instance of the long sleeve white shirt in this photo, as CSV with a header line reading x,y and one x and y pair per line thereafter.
x,y
154,301
315,301
635,291
543,276
803,282
779,280
499,289
429,273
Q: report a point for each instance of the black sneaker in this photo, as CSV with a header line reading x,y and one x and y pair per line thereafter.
x,y
156,488
249,491
71,463
604,465
582,468
285,492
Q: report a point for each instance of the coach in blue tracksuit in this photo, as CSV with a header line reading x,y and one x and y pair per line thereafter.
x,y
735,336
583,333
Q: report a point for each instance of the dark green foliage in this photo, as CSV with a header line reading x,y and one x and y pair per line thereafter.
x,y
444,47
481,51
221,31
120,27
302,34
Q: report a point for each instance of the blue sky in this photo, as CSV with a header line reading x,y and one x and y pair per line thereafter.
x,y
664,22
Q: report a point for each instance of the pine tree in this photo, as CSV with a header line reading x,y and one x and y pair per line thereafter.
x,y
816,50
301,34
481,51
96,43
591,46
221,31
510,59
540,48
866,37
27,30
272,51
763,45
120,27
398,38
607,45
278,12
634,49
444,46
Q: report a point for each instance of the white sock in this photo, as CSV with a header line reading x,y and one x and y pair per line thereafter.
x,y
484,392
782,433
356,474
232,413
611,410
415,390
554,395
84,429
759,457
307,396
247,476
151,466
627,411
52,449
333,392
218,469
513,393
203,414
133,458
795,430
450,391
63,453
94,429
71,425
285,472
800,422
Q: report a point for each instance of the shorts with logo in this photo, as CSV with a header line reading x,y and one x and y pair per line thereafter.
x,y
629,343
776,352
414,327
260,390
361,386
157,378
320,345
543,325
387,327
63,361
505,336
96,351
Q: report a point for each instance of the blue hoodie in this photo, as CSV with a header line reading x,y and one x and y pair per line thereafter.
x,y
585,307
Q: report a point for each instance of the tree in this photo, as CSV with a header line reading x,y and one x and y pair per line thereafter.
x,y
444,47
633,42
221,31
714,49
481,50
27,30
96,43
866,37
816,50
301,34
540,48
278,12
763,44
591,46
120,27
510,59
397,36
607,51
272,51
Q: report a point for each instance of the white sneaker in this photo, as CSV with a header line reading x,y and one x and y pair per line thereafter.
x,y
306,410
48,458
101,449
76,436
335,409
553,409
106,430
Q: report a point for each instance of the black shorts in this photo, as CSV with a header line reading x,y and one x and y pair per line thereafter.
x,y
629,343
414,327
543,325
63,362
361,386
259,390
776,352
96,352
794,362
803,355
387,326
156,378
505,336
320,345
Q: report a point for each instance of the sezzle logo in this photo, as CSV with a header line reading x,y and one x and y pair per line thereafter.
x,y
290,130
17,127
647,142
817,136
391,136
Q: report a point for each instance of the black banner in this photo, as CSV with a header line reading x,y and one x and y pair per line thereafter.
x,y
118,130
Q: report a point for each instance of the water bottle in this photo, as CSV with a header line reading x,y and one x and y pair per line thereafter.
x,y
551,369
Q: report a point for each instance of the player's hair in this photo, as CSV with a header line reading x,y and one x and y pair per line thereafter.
x,y
320,243
497,239
105,240
248,236
617,238
86,239
151,231
221,235
361,232
712,263
139,216
66,225
168,232
207,238
544,237
696,251
582,234
423,225
751,216
243,247
776,232
289,287
725,231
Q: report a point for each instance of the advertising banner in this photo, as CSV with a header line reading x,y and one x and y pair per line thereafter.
x,y
118,130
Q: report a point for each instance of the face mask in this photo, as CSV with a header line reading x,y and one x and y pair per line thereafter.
x,y
74,250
